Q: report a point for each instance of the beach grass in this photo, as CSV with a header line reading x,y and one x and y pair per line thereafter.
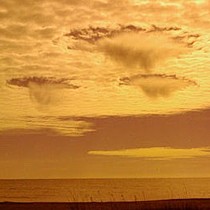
x,y
176,204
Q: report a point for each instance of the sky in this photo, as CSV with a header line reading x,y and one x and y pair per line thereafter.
x,y
104,88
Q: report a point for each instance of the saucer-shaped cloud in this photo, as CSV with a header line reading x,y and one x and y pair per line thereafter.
x,y
42,90
140,50
155,85
27,81
157,153
92,34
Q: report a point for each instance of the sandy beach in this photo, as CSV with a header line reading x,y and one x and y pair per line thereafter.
x,y
179,204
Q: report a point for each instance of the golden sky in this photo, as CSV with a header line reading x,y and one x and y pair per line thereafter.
x,y
104,88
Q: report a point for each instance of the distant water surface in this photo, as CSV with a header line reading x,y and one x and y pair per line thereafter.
x,y
103,189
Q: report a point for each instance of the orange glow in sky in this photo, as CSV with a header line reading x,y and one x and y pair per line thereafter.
x,y
119,84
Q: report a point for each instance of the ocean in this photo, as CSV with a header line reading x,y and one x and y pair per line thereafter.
x,y
102,190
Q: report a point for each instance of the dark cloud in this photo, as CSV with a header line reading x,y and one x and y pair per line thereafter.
x,y
187,38
93,34
184,130
25,82
155,28
156,85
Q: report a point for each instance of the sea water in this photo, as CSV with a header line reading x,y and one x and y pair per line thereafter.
x,y
102,190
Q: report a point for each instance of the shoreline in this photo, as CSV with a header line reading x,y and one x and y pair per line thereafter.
x,y
173,204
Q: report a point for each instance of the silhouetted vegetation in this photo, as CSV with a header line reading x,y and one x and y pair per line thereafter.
x,y
179,204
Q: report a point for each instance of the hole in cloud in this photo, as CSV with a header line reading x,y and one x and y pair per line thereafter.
x,y
43,90
156,85
131,45
156,153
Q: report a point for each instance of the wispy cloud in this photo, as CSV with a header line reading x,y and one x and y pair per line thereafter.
x,y
143,51
50,125
157,153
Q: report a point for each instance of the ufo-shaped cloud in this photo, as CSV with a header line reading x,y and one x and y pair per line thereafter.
x,y
42,89
155,85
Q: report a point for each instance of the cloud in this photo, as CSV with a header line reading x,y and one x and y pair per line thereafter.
x,y
155,28
43,90
156,85
139,50
95,33
188,38
45,124
92,34
29,31
157,153
37,14
27,81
